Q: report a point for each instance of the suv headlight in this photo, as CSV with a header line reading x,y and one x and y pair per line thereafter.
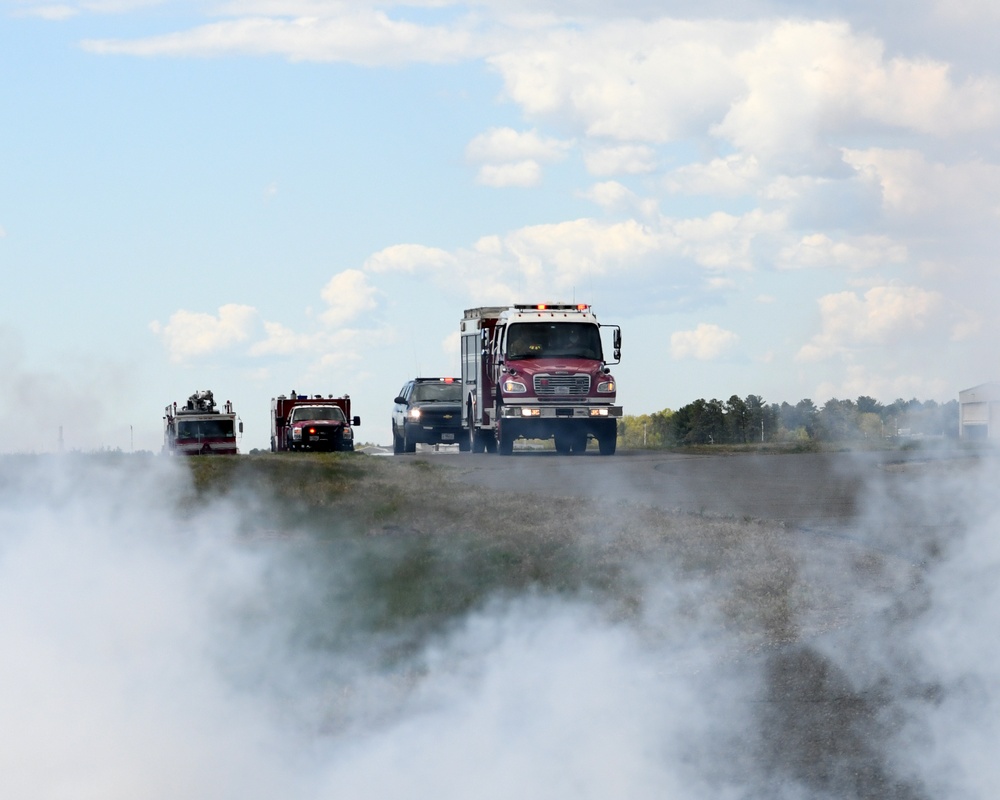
x,y
606,387
413,413
510,386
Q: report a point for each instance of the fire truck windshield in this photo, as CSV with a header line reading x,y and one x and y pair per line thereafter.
x,y
554,340
307,413
205,429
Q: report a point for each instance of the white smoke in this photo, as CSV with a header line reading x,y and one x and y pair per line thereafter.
x,y
952,730
150,652
112,612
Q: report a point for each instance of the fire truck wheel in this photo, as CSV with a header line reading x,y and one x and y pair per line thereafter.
x,y
274,448
579,443
506,440
563,445
608,439
477,442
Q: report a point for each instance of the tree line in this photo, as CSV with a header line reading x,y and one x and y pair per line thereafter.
x,y
749,419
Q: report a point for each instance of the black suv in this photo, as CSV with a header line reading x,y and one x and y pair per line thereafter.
x,y
428,411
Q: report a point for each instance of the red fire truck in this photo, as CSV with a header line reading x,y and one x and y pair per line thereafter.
x,y
198,428
538,372
304,422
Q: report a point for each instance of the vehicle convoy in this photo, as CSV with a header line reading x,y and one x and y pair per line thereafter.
x,y
538,372
428,411
199,428
317,423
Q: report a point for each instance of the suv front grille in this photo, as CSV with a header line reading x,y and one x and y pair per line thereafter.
x,y
577,385
440,417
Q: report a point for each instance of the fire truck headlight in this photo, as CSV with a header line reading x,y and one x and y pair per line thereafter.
x,y
606,387
297,433
413,413
530,412
510,386
348,433
598,412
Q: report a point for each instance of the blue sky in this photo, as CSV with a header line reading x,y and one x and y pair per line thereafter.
x,y
798,201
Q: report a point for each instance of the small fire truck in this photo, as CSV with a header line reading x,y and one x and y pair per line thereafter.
x,y
538,372
303,422
199,428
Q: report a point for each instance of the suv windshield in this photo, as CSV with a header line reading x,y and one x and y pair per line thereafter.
x,y
443,392
554,340
306,413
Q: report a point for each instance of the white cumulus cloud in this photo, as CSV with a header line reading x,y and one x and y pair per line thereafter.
x,y
328,33
190,334
705,343
731,176
520,173
806,82
348,295
282,340
628,80
884,315
513,158
615,196
820,250
566,251
54,12
914,187
409,258
724,242
626,159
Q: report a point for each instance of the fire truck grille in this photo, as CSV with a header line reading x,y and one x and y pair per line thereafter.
x,y
562,385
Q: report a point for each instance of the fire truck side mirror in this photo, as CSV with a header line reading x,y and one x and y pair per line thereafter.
x,y
241,426
356,421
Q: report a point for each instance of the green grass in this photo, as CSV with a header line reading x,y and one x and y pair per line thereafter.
x,y
415,549
403,548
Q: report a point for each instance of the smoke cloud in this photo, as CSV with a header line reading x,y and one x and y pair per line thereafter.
x,y
159,648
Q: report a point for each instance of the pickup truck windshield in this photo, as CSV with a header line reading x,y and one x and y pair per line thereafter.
x,y
306,413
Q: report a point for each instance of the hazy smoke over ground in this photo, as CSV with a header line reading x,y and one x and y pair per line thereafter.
x,y
150,653
938,655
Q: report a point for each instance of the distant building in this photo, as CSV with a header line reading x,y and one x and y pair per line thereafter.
x,y
979,412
